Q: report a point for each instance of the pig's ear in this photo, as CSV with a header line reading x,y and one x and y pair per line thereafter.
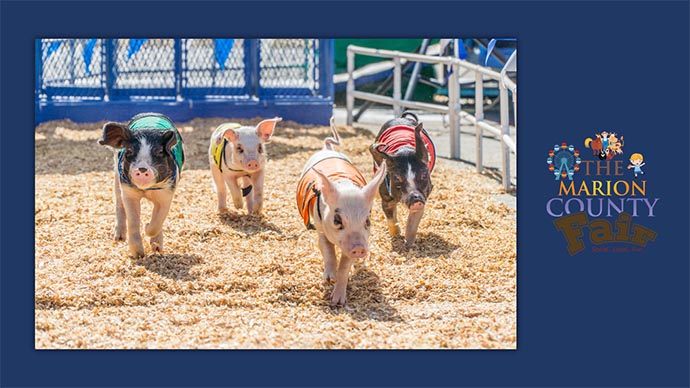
x,y
170,140
328,189
372,187
231,135
115,135
264,130
419,144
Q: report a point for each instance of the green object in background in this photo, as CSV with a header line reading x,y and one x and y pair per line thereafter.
x,y
406,45
422,92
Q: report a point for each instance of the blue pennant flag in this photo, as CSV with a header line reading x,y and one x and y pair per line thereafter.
x,y
52,47
223,47
134,46
88,54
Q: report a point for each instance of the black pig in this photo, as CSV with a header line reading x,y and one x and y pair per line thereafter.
x,y
410,155
148,161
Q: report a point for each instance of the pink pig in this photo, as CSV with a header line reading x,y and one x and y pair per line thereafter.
x,y
334,199
237,154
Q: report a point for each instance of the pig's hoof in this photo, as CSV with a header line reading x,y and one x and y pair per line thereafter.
x,y
338,298
118,236
156,247
137,253
409,246
328,277
238,204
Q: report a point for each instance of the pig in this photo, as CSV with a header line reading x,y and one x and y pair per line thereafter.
x,y
237,155
334,199
410,154
149,156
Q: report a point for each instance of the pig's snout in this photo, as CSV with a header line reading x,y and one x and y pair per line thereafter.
x,y
416,202
417,206
358,252
253,165
142,175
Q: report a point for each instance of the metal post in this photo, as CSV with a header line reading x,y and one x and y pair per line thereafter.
x,y
39,69
453,112
479,115
505,131
326,65
109,68
397,81
251,67
415,71
350,99
178,69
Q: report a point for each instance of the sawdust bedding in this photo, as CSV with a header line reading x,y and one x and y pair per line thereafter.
x,y
236,281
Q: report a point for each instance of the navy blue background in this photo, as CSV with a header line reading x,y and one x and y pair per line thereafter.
x,y
585,320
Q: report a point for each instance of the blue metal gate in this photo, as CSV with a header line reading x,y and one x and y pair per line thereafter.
x,y
113,79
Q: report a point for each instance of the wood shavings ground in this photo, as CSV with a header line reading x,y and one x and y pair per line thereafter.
x,y
234,281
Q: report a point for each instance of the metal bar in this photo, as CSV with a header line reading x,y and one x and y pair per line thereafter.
x,y
406,104
397,86
453,115
251,66
177,44
415,71
38,52
426,59
350,89
326,66
479,116
109,50
505,127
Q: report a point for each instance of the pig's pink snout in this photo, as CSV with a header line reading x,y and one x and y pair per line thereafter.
x,y
252,165
358,252
417,206
142,175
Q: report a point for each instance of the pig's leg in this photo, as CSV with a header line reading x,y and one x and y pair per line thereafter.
x,y
330,262
120,216
219,185
256,206
154,229
133,210
390,209
412,224
235,191
342,276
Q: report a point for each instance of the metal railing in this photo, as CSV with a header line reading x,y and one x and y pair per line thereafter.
x,y
454,109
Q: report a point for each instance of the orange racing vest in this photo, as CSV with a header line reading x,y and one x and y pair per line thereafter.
x,y
335,168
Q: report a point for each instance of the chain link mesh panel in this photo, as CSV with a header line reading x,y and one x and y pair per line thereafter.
x,y
144,67
213,67
289,67
72,68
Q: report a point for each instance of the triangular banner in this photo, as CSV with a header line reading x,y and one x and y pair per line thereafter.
x,y
88,54
134,46
223,47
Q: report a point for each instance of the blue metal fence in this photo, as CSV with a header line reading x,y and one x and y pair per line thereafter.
x,y
113,79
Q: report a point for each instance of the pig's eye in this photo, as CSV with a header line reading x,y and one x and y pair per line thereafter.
x,y
367,223
260,149
158,151
129,152
338,222
240,149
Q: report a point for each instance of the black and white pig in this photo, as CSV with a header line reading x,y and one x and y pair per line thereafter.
x,y
410,154
237,156
334,199
148,161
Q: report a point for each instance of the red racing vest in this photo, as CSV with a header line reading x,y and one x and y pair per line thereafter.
x,y
403,135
